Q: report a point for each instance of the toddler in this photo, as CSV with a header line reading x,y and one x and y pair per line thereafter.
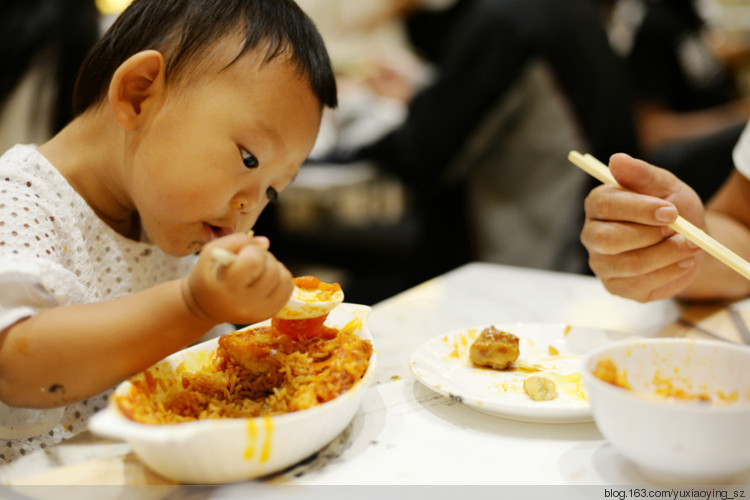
x,y
190,115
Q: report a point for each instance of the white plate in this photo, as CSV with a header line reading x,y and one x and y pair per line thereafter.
x,y
442,364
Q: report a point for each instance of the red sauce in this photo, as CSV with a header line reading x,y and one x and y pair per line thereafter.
x,y
299,329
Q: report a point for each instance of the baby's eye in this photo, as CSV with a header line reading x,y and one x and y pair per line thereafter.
x,y
272,194
248,158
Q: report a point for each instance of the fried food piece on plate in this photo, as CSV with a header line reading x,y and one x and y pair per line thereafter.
x,y
495,349
540,388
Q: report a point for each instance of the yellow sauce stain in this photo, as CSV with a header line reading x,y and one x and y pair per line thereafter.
x,y
265,452
606,370
666,387
567,329
460,344
570,384
521,367
354,325
252,437
552,350
732,397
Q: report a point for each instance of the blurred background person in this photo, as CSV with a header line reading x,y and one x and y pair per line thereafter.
x,y
42,43
686,75
486,97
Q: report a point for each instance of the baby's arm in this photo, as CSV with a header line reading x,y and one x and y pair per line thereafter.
x,y
66,354
634,252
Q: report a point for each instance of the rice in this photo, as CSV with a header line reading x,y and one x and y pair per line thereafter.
x,y
251,373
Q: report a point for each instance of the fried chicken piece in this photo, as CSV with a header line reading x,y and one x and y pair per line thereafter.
x,y
495,349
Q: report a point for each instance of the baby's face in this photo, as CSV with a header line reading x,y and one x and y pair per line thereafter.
x,y
207,162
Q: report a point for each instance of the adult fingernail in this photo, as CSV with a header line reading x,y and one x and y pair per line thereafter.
x,y
665,214
686,264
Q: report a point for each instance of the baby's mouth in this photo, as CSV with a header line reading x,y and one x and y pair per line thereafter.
x,y
215,232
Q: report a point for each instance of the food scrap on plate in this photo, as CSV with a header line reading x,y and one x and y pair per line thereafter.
x,y
550,351
494,348
499,350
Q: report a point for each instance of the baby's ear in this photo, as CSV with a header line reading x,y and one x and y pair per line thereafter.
x,y
136,84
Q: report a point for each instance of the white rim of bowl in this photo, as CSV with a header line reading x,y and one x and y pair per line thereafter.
x,y
590,378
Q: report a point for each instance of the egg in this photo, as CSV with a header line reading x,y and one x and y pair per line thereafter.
x,y
311,298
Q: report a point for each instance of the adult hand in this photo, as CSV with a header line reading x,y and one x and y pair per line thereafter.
x,y
631,248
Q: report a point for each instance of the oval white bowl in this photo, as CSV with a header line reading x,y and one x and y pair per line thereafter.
x,y
673,441
229,450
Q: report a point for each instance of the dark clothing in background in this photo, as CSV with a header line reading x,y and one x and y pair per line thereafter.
x,y
60,32
480,47
670,64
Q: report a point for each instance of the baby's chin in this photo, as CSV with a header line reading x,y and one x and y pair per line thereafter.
x,y
180,249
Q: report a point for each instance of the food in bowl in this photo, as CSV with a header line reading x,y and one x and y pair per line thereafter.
x,y
663,404
252,373
289,365
494,348
221,450
669,386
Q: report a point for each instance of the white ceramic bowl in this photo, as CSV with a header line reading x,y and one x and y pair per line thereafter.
x,y
674,440
228,450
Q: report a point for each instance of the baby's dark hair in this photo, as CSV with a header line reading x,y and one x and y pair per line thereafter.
x,y
186,29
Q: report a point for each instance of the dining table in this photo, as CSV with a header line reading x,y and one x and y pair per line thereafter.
x,y
406,433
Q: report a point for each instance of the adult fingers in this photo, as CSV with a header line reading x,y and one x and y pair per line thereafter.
x,y
643,261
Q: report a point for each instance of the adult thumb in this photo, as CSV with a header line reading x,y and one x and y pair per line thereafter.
x,y
642,177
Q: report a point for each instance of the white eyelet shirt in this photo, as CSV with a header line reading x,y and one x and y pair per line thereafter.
x,y
55,251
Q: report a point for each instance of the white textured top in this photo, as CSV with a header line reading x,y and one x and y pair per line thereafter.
x,y
741,153
55,251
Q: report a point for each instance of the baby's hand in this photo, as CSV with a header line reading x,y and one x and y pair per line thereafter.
x,y
250,289
631,248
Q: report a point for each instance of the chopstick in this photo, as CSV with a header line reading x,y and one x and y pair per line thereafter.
x,y
600,171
